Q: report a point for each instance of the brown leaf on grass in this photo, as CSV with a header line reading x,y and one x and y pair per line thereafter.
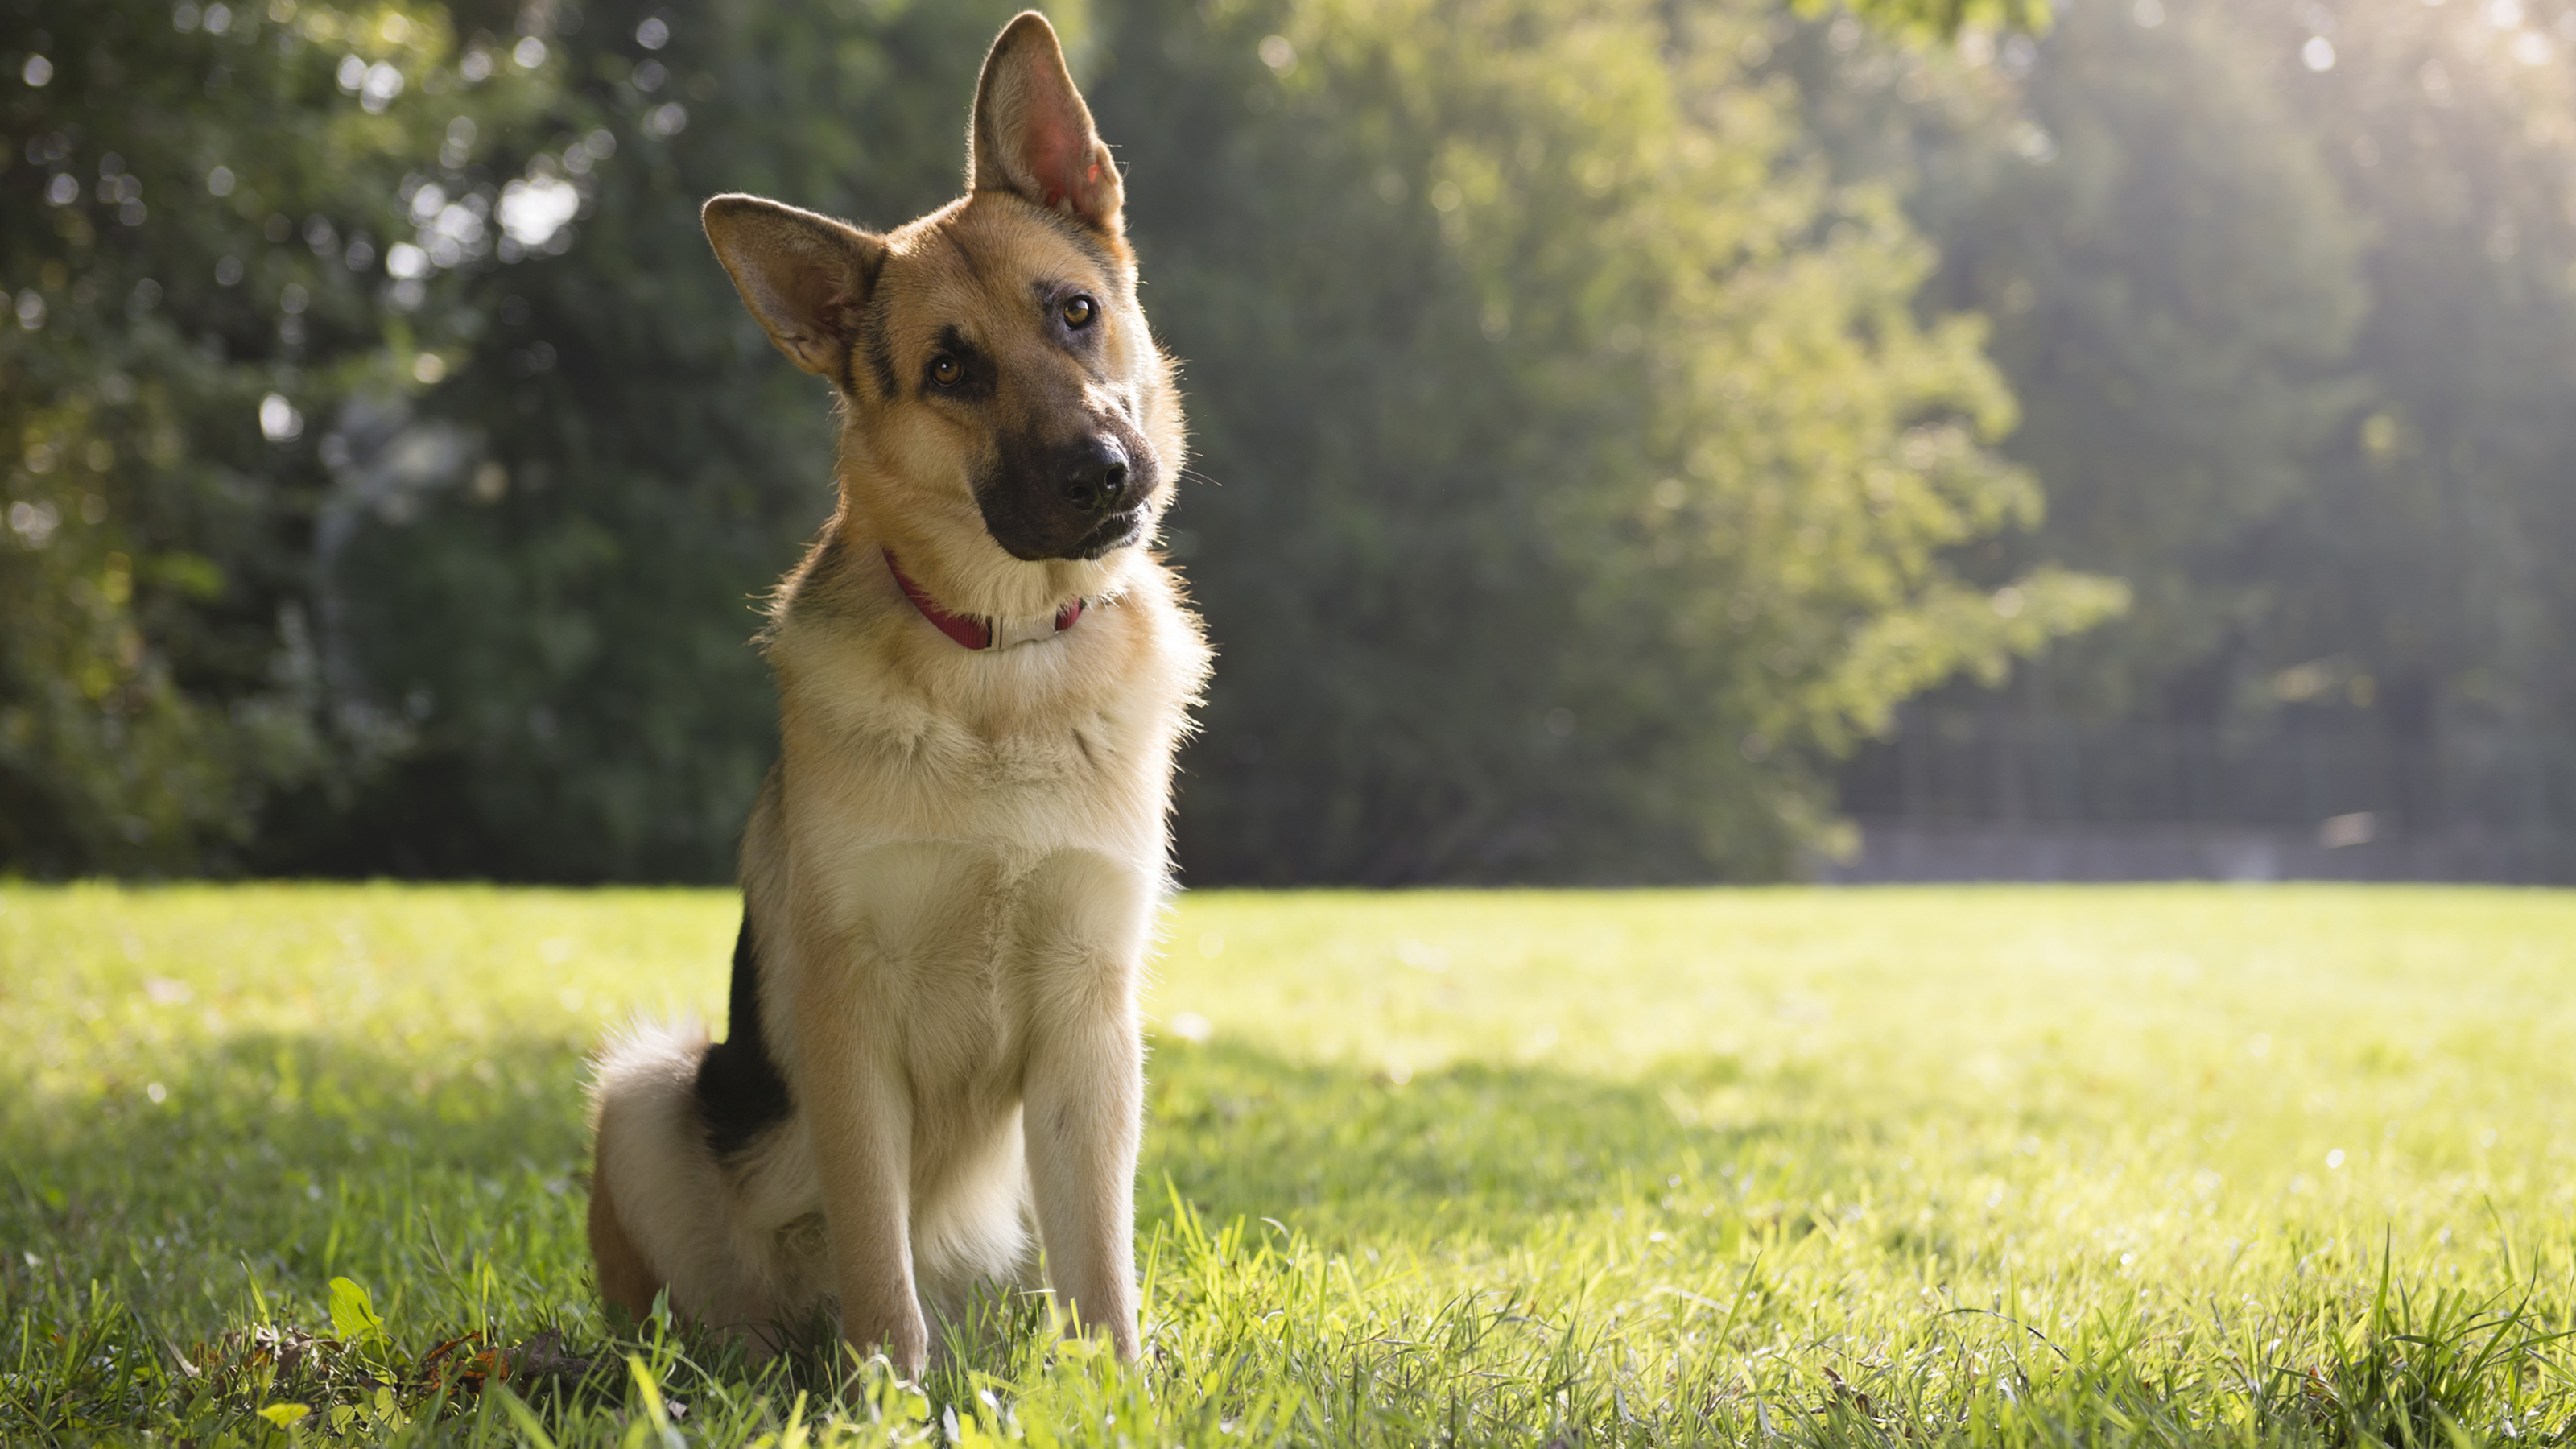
x,y
543,1357
468,1362
1848,1394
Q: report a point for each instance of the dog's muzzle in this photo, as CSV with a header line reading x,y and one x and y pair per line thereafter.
x,y
1077,498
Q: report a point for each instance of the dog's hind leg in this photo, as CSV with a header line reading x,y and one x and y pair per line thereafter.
x,y
660,1206
625,1278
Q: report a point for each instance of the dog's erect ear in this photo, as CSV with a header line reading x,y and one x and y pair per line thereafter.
x,y
806,277
1032,134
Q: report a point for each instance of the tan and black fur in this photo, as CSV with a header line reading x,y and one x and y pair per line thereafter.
x,y
934,1067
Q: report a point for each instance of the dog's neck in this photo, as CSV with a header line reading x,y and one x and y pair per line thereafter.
x,y
979,632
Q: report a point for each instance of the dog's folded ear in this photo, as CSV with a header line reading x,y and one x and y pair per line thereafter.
x,y
1033,135
806,277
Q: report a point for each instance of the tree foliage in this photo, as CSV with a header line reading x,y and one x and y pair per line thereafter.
x,y
1580,471
2176,278
2287,299
1579,475
1944,18
568,615
198,208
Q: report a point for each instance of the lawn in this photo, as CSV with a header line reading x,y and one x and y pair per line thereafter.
x,y
1999,1166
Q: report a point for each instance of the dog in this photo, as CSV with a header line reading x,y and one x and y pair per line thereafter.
x,y
934,1069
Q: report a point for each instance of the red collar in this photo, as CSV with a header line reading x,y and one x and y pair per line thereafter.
x,y
975,632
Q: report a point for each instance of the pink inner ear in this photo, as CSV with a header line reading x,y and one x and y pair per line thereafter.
x,y
838,306
821,300
1055,142
1051,150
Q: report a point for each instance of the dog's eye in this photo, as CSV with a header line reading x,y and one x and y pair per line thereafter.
x,y
946,370
1078,312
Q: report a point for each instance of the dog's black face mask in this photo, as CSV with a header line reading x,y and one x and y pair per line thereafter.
x,y
1077,494
1066,479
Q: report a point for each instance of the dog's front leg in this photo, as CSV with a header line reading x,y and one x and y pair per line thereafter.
x,y
859,1120
1084,1108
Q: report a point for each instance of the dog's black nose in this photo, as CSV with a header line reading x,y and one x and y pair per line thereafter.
x,y
1098,481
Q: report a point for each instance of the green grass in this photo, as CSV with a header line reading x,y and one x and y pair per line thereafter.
x,y
1887,1168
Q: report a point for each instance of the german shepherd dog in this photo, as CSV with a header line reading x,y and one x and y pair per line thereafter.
x,y
934,1068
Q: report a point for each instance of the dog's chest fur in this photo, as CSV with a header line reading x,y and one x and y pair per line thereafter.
x,y
983,833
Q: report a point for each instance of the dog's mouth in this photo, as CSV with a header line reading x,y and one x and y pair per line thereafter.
x,y
1116,531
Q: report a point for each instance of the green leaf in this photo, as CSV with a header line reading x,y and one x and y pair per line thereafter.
x,y
523,1416
353,1315
285,1416
650,1391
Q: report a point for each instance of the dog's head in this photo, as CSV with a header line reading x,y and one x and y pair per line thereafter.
x,y
1003,394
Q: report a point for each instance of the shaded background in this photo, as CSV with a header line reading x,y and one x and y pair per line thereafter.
x,y
1634,441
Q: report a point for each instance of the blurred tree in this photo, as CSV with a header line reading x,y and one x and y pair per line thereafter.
x,y
2177,285
1940,17
1588,476
566,615
197,208
1578,474
2287,296
2424,572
